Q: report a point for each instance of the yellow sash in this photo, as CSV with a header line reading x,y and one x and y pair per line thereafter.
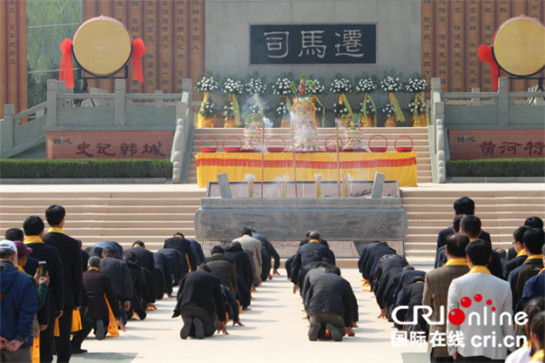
x,y
533,257
113,331
35,350
538,357
76,321
522,253
479,269
33,239
55,230
456,261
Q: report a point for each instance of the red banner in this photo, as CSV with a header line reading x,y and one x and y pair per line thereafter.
x,y
492,144
109,144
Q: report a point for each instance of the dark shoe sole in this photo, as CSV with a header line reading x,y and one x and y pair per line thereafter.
x,y
334,333
315,332
100,331
199,329
186,329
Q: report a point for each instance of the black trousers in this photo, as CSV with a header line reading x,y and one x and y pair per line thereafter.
x,y
209,323
87,325
62,342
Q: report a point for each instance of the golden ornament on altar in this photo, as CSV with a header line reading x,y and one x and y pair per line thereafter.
x,y
391,121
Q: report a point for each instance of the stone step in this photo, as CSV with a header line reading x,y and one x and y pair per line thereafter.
x,y
113,217
103,208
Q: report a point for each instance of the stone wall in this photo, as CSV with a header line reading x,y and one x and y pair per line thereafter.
x,y
227,29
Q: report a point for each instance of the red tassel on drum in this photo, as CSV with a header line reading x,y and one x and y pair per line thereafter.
x,y
66,71
485,54
138,50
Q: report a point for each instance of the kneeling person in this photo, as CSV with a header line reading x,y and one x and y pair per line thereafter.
x,y
201,304
329,303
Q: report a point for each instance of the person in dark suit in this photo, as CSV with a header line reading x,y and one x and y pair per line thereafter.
x,y
137,276
178,242
201,304
222,268
163,276
436,285
196,248
329,304
462,206
119,274
303,254
96,286
177,264
54,306
103,244
69,251
268,252
235,253
143,255
533,240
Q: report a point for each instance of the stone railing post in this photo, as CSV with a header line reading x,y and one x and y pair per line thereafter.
x,y
52,104
503,102
120,102
475,101
7,130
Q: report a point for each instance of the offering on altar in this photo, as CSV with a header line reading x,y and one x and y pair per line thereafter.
x,y
352,131
305,134
253,131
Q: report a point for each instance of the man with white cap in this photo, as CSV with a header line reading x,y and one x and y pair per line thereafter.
x,y
19,305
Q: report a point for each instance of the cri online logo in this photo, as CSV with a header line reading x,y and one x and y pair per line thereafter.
x,y
458,316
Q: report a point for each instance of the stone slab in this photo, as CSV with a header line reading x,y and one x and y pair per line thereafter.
x,y
347,219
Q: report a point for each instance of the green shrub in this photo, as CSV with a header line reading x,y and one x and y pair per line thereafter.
x,y
85,168
497,167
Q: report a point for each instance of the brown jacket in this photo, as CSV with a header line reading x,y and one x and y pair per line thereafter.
x,y
435,295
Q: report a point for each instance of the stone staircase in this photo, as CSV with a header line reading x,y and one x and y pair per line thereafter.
x,y
419,136
152,213
120,213
501,207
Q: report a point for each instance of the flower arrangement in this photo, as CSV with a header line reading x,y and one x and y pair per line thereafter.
x,y
282,86
282,109
369,109
419,109
340,109
255,86
228,109
388,109
232,87
314,87
366,85
340,85
416,84
206,84
390,84
208,108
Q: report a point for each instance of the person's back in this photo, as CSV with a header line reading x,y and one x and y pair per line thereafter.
x,y
18,308
143,255
176,262
178,242
479,293
112,244
201,305
119,275
533,240
329,304
222,268
253,248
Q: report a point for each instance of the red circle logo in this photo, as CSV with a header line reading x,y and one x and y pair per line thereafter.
x,y
478,297
456,316
465,302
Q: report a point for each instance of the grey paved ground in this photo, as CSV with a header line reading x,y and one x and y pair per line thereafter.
x,y
274,331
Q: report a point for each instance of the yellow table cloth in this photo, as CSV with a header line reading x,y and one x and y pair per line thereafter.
x,y
360,166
